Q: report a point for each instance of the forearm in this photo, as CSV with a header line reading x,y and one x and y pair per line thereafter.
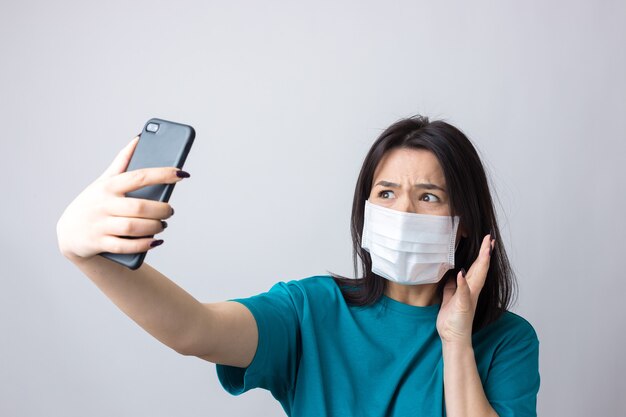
x,y
463,389
149,298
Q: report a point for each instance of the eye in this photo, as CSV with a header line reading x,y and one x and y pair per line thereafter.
x,y
428,197
384,194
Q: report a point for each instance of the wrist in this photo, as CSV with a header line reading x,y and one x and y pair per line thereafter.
x,y
456,346
75,259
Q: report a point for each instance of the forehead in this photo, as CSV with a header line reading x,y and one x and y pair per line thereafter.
x,y
415,165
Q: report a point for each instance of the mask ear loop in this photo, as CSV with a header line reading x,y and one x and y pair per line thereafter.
x,y
457,242
455,228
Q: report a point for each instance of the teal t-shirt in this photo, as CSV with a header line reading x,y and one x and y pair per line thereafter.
x,y
319,356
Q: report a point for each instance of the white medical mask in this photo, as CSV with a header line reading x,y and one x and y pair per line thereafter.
x,y
409,248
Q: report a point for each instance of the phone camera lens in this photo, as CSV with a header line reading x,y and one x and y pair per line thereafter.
x,y
152,127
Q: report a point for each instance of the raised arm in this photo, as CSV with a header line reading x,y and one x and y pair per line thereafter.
x,y
223,332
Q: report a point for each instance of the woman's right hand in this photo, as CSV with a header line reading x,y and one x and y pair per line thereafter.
x,y
93,222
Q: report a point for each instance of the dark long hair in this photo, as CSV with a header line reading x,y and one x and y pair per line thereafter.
x,y
470,199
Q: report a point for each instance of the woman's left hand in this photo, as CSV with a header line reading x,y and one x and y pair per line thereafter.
x,y
456,315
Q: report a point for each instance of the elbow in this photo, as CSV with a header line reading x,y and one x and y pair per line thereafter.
x,y
191,349
182,350
189,352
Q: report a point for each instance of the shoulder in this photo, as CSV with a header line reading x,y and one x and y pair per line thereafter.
x,y
509,328
507,357
317,287
315,296
311,283
321,289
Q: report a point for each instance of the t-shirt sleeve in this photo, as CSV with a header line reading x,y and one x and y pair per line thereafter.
x,y
513,381
276,359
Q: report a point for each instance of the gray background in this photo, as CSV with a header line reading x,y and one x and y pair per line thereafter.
x,y
286,98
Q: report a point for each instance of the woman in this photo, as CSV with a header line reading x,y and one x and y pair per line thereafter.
x,y
424,332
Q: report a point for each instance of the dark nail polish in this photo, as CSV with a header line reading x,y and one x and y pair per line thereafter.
x,y
182,174
172,211
156,243
463,272
164,224
491,247
139,134
492,234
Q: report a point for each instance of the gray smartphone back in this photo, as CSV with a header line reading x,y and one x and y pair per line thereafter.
x,y
169,145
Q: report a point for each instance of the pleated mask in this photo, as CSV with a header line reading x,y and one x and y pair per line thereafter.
x,y
409,248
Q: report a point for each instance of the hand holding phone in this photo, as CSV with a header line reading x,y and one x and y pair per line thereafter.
x,y
118,215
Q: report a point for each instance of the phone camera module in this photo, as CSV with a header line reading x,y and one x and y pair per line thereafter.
x,y
152,127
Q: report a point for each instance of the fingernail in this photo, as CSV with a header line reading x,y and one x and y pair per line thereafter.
x,y
491,247
492,234
156,243
164,224
139,134
182,174
463,272
172,211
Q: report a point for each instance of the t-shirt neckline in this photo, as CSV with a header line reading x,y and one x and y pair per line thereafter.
x,y
421,311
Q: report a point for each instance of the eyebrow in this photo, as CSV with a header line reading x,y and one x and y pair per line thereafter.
x,y
424,185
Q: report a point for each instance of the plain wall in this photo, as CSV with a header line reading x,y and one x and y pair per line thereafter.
x,y
286,98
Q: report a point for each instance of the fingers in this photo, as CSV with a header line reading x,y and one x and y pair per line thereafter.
x,y
463,291
139,178
478,271
462,286
124,226
120,162
116,244
458,289
139,208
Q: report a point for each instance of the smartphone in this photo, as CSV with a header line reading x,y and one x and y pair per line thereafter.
x,y
162,143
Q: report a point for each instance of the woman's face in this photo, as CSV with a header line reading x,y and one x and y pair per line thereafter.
x,y
411,180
